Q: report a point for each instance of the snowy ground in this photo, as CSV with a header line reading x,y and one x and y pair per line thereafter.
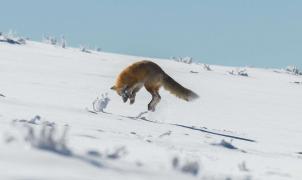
x,y
68,142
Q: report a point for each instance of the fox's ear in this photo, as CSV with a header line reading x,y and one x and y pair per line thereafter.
x,y
113,88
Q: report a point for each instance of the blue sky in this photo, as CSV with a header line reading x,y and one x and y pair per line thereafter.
x,y
262,33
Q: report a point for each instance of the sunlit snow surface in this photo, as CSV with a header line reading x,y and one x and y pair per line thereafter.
x,y
180,140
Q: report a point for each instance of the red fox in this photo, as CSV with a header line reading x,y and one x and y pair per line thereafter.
x,y
150,75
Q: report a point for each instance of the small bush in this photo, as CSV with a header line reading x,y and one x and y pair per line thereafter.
x,y
190,167
54,41
225,144
242,167
21,40
50,40
84,49
228,145
239,72
187,60
12,38
293,70
206,67
116,153
45,136
63,42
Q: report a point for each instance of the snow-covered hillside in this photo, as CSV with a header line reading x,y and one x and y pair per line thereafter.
x,y
241,127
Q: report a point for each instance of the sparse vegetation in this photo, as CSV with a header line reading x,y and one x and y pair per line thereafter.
x,y
206,67
293,70
45,136
50,40
225,144
187,60
54,41
239,72
242,167
84,49
12,38
194,72
228,145
98,49
63,42
190,167
116,153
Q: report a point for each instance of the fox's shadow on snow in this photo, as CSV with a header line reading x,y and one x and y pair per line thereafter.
x,y
141,117
214,133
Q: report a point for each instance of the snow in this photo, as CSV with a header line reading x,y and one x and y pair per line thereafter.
x,y
126,142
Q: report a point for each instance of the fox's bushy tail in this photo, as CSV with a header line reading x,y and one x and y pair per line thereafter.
x,y
178,90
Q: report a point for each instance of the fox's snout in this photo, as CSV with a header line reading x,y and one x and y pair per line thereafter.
x,y
123,93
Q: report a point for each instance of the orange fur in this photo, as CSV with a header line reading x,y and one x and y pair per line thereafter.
x,y
150,75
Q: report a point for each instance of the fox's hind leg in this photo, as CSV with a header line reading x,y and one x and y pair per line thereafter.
x,y
155,97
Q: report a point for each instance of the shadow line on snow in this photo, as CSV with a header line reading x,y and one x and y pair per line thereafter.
x,y
141,117
210,132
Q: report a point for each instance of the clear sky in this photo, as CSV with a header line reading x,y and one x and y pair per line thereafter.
x,y
262,33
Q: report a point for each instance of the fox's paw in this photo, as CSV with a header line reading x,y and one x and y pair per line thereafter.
x,y
132,101
151,108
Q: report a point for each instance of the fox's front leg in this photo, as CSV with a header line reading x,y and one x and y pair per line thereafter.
x,y
125,94
133,92
132,97
128,94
